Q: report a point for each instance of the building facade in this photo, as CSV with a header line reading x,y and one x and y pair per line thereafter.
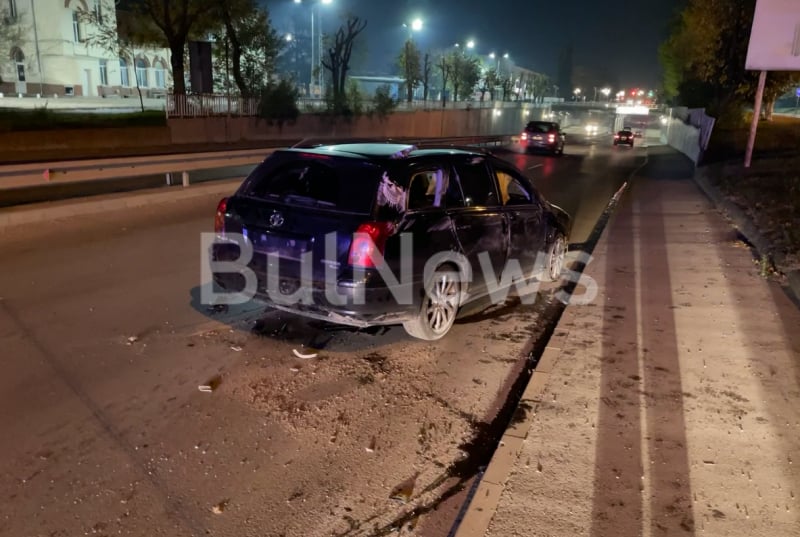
x,y
53,50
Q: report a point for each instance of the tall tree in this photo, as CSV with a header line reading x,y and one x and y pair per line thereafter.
x,y
117,32
445,66
706,52
426,75
466,73
338,61
409,61
178,20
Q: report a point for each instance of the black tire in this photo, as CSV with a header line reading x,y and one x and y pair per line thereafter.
x,y
439,306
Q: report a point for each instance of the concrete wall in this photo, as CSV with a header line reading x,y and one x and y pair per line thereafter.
x,y
422,124
419,123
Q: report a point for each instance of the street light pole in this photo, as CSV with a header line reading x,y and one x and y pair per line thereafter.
x,y
38,54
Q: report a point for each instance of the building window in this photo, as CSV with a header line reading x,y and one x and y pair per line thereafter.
x,y
19,61
141,72
76,27
123,73
12,9
98,11
103,73
161,75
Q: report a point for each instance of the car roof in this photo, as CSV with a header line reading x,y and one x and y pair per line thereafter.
x,y
379,150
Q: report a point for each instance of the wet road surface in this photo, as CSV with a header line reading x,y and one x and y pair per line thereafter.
x,y
105,344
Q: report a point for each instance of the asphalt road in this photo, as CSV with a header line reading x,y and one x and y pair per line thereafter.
x,y
104,344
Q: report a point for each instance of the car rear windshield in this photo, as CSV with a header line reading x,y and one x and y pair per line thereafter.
x,y
333,183
540,127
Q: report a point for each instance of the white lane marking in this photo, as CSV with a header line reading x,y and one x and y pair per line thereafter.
x,y
536,166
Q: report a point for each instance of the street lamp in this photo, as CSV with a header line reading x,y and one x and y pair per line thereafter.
x,y
606,92
577,93
316,45
470,44
416,25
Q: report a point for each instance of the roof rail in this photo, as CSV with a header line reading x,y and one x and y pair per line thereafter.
x,y
310,143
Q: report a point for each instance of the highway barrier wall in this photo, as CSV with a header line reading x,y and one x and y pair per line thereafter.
x,y
415,124
503,118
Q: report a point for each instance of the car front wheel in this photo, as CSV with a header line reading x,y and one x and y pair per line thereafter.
x,y
439,306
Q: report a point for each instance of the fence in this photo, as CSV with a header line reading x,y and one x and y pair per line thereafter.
x,y
190,106
689,131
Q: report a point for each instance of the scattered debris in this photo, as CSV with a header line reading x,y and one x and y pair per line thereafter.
x,y
372,444
294,369
218,308
236,348
132,340
404,490
220,507
304,356
211,385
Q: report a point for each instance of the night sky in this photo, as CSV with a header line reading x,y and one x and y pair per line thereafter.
x,y
617,41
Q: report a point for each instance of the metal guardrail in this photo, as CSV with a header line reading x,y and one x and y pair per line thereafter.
x,y
48,173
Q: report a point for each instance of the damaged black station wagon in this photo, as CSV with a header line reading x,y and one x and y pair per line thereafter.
x,y
378,233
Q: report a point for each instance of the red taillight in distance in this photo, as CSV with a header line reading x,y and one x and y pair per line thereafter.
x,y
369,242
219,218
551,138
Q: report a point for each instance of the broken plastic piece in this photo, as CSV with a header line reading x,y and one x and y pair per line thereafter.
x,y
304,356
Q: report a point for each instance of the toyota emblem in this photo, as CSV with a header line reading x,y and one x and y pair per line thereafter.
x,y
276,219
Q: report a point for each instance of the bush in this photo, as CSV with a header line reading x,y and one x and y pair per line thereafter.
x,y
355,99
42,119
278,103
384,103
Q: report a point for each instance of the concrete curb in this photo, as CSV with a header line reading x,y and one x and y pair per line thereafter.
x,y
487,497
49,211
745,226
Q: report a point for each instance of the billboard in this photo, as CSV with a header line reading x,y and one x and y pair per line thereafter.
x,y
775,37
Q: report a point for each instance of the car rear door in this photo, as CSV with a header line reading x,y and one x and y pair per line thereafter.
x,y
524,213
303,208
481,226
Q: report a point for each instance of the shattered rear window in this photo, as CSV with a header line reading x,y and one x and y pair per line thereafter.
x,y
340,184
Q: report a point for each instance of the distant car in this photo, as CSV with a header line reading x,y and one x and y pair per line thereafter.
x,y
592,129
323,223
624,137
543,135
638,134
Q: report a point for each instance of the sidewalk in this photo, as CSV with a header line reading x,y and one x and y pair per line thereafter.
x,y
668,407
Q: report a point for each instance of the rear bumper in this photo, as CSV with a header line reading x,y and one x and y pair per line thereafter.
x,y
356,299
540,144
350,303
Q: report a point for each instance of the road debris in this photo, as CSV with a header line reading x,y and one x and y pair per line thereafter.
x,y
132,340
211,385
220,507
236,348
371,447
303,356
404,490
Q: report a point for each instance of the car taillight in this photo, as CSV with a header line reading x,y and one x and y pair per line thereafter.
x,y
524,135
368,243
219,218
552,138
616,136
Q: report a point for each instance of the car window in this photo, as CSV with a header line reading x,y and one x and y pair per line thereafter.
x,y
476,182
428,188
540,127
341,185
511,190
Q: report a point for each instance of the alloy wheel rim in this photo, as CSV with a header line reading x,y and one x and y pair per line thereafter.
x,y
557,263
442,304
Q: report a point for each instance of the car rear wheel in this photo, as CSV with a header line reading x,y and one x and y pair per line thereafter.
x,y
439,306
556,256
